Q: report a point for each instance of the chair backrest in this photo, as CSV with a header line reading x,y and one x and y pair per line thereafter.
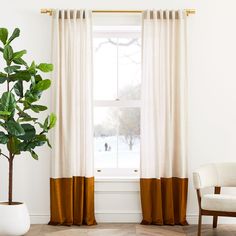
x,y
217,174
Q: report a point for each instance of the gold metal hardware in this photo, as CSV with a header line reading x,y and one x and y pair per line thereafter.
x,y
49,11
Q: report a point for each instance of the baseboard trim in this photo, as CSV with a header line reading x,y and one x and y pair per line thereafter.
x,y
131,217
39,218
118,217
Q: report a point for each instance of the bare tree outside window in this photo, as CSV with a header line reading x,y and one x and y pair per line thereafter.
x,y
129,126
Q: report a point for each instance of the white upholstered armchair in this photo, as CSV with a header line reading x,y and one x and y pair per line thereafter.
x,y
215,175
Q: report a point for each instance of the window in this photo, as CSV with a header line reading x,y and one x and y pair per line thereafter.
x,y
117,79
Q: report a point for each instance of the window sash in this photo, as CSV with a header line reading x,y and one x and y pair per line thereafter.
x,y
117,172
117,103
120,103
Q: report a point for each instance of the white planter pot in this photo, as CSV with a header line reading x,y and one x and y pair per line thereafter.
x,y
14,219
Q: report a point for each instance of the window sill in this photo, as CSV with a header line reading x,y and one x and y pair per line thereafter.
x,y
117,179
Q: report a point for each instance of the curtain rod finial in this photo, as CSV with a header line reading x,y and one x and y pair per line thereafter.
x,y
190,11
46,11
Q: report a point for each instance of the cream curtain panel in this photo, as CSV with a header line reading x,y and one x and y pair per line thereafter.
x,y
164,118
72,179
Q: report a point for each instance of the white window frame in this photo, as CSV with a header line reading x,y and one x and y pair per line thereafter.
x,y
117,172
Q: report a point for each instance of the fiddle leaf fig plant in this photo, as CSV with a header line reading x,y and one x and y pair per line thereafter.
x,y
21,87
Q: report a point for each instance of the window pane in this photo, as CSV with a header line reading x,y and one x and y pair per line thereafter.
x,y
117,137
129,138
105,68
105,138
129,69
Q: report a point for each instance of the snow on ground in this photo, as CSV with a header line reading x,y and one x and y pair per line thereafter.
x,y
119,153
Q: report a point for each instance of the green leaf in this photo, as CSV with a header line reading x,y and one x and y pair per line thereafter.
x,y
38,108
32,96
29,98
34,144
11,69
45,124
8,53
14,128
29,132
45,139
3,35
21,75
15,34
20,61
19,54
53,120
22,113
8,101
32,82
44,67
38,78
13,145
3,77
26,105
3,138
26,119
42,139
42,85
32,68
18,88
29,145
23,116
34,154
23,146
5,113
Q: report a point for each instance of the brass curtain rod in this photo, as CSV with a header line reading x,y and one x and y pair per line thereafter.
x,y
49,11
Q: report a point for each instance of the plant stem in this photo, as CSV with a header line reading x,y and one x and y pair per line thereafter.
x,y
10,159
10,187
5,156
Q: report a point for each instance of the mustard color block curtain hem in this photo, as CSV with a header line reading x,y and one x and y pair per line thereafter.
x,y
72,201
164,201
164,182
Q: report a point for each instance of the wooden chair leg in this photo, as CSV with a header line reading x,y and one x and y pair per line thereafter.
x,y
215,218
199,224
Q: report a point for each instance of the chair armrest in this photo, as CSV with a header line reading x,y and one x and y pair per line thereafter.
x,y
216,191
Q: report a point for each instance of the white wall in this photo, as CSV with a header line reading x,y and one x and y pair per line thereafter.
x,y
212,91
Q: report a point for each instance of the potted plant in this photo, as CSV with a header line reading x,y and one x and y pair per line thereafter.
x,y
21,87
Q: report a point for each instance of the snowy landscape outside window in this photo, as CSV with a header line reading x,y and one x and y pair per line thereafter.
x,y
117,80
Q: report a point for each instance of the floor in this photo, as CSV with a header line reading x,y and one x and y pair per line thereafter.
x,y
130,230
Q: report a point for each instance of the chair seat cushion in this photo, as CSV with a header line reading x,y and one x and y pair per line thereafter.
x,y
219,202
